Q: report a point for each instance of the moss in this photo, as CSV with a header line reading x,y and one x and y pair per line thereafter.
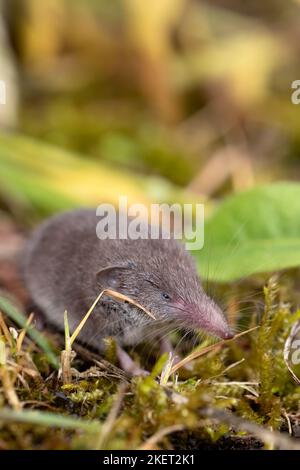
x,y
247,377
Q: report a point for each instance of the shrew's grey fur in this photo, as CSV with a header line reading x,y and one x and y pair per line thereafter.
x,y
66,266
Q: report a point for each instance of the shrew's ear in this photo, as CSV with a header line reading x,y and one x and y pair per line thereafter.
x,y
113,277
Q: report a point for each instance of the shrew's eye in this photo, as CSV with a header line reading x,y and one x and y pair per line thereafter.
x,y
166,296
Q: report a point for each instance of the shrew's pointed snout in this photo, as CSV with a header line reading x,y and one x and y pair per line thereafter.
x,y
210,318
227,334
218,327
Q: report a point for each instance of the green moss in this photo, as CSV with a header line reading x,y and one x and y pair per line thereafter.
x,y
246,377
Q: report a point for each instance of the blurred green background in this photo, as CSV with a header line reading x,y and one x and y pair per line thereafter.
x,y
169,95
166,101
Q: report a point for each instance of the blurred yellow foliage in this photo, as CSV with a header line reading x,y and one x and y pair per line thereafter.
x,y
244,62
150,23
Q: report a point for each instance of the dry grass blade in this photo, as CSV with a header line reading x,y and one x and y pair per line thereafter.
x,y
206,350
231,366
167,370
119,296
5,331
111,293
21,336
67,355
8,389
7,382
21,320
67,332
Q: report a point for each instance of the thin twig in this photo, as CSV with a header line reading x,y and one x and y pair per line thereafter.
x,y
288,422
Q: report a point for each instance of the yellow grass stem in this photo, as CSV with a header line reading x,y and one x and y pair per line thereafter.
x,y
110,293
206,350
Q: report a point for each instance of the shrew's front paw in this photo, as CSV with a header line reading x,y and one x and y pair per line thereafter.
x,y
128,365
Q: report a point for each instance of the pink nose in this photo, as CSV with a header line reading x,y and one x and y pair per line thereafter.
x,y
228,335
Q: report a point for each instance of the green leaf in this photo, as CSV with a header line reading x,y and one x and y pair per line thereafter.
x,y
253,232
44,418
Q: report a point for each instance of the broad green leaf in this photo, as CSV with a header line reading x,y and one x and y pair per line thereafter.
x,y
253,232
